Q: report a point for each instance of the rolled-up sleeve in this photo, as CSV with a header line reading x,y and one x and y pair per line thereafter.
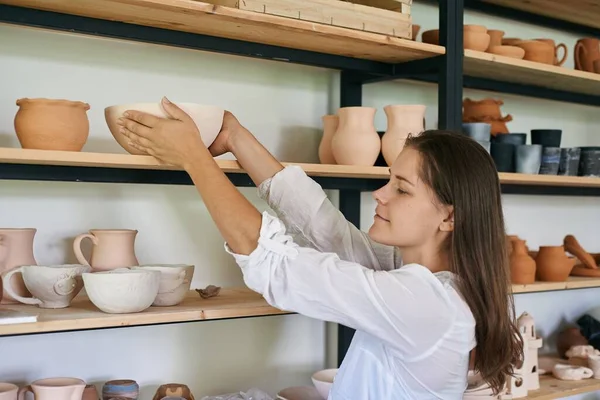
x,y
391,305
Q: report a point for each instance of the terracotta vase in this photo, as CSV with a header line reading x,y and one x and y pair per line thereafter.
x,y
47,124
402,121
16,249
495,37
522,266
556,47
356,141
552,264
587,50
112,248
537,51
330,125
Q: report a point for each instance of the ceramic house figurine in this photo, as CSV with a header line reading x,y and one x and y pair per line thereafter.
x,y
517,384
532,344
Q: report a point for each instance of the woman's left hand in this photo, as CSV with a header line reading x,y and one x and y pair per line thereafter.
x,y
173,141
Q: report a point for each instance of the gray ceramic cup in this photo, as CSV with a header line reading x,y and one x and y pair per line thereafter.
x,y
485,144
550,161
569,161
528,158
589,161
479,131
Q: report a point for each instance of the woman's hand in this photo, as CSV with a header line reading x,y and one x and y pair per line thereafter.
x,y
175,141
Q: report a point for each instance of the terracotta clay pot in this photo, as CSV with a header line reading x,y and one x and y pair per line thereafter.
x,y
90,393
482,108
556,47
552,264
431,36
568,338
507,51
402,120
537,51
572,246
498,125
596,65
510,41
330,125
495,37
587,50
474,28
474,40
47,124
522,266
356,141
415,31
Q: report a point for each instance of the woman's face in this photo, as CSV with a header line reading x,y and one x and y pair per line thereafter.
x,y
407,213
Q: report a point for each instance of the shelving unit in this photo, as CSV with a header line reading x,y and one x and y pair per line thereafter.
x,y
361,58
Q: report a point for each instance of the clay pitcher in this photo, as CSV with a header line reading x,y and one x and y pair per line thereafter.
x,y
402,120
54,389
556,48
587,50
330,125
16,249
522,266
537,51
112,248
356,141
553,264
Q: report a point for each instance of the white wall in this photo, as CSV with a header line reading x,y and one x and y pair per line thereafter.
x,y
282,104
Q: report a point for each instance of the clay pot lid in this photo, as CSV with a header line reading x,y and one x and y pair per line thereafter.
x,y
23,102
525,320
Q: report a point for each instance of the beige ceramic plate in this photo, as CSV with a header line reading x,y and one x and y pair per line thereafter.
x,y
299,393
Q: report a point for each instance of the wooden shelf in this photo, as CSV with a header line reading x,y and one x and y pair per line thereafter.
x,y
486,65
552,388
203,18
83,315
127,161
574,282
582,12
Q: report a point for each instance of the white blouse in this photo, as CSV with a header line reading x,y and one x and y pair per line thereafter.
x,y
413,329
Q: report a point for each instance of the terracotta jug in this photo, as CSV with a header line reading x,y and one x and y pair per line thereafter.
x,y
402,120
522,266
330,125
552,264
587,50
16,249
112,248
54,389
48,124
556,48
356,141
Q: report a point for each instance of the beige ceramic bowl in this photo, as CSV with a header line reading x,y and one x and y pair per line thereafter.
x,y
323,380
478,41
508,51
122,290
175,281
208,119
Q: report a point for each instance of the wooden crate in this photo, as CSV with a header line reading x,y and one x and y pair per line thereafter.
x,y
402,6
334,12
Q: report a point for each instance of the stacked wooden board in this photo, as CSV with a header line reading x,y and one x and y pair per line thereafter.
x,y
389,17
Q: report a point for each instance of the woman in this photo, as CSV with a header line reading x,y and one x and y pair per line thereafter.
x,y
426,285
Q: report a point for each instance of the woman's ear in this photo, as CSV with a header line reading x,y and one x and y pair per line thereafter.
x,y
447,224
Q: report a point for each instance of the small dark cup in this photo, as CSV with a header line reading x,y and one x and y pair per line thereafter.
x,y
589,161
503,155
480,131
550,161
511,138
569,161
546,137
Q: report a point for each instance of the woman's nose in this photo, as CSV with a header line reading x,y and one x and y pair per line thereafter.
x,y
380,195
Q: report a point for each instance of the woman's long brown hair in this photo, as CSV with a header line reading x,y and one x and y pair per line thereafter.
x,y
462,174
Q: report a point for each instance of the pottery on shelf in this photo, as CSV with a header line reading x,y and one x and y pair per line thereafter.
x,y
507,51
568,372
54,388
572,245
208,120
496,36
90,393
532,344
475,40
510,41
587,50
550,161
579,354
123,388
594,365
356,141
175,281
569,161
330,124
546,137
486,144
503,155
299,393
557,61
402,121
528,158
522,265
122,290
173,390
8,391
415,31
511,138
483,108
537,51
323,380
16,249
480,131
111,248
553,264
589,161
568,338
596,65
51,286
49,124
431,36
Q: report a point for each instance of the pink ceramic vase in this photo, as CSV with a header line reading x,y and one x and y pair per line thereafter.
x,y
16,249
402,120
356,141
330,125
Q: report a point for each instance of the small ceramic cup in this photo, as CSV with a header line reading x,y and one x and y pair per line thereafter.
x,y
511,138
175,281
485,144
589,161
480,131
8,391
569,161
528,158
546,137
550,161
503,155
52,286
120,388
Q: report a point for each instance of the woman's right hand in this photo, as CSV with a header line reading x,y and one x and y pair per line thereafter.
x,y
230,129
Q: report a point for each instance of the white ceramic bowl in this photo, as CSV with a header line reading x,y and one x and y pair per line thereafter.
x,y
208,119
122,291
175,281
323,380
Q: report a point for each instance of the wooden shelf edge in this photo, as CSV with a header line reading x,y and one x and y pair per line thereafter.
x,y
573,282
552,388
83,315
